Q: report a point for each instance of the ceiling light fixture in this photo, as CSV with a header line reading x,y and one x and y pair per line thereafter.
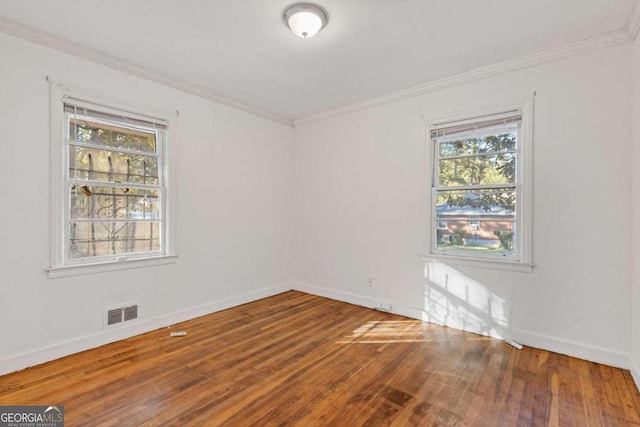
x,y
305,19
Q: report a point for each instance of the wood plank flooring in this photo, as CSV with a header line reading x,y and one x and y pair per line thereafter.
x,y
298,359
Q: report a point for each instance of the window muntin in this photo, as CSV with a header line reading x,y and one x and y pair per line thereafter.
x,y
115,186
476,186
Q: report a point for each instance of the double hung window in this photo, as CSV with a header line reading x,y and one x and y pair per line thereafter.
x,y
480,184
110,185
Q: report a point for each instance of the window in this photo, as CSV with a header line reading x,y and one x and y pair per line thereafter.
x,y
109,185
480,186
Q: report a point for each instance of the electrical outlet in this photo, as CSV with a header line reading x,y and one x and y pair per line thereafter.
x,y
371,282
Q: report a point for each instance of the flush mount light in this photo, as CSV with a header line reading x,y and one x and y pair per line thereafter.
x,y
305,19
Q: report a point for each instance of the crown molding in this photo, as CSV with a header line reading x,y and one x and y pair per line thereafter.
x,y
625,35
61,44
565,51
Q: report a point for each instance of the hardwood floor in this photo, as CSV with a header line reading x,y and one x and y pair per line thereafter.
x,y
298,359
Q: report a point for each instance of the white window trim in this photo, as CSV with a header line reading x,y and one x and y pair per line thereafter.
x,y
58,161
524,188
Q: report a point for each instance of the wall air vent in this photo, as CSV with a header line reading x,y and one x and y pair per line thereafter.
x,y
131,312
114,316
123,313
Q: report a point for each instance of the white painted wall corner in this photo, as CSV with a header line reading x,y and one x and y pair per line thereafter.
x,y
334,294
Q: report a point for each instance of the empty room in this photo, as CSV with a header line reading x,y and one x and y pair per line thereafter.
x,y
337,212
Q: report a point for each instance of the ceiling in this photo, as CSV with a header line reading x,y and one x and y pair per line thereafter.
x,y
241,51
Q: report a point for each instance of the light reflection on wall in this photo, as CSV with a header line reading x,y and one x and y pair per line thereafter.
x,y
453,299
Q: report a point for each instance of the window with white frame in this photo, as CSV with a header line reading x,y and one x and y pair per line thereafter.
x,y
480,185
109,184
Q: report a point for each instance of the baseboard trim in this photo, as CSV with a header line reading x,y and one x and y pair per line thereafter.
x,y
635,373
334,294
76,345
527,338
355,299
572,348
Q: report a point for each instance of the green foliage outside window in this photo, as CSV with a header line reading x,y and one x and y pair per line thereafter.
x,y
485,161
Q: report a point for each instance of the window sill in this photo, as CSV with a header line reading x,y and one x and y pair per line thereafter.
x,y
493,264
82,269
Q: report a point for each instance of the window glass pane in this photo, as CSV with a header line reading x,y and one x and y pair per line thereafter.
x,y
89,132
479,145
476,203
478,170
113,166
478,221
89,239
93,202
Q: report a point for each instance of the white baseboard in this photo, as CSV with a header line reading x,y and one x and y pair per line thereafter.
x,y
76,345
573,349
334,294
635,373
212,307
530,339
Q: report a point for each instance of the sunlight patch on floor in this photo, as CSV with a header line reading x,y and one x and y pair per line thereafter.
x,y
388,331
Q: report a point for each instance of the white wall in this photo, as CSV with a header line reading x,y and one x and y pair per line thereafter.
x,y
232,176
360,211
635,197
